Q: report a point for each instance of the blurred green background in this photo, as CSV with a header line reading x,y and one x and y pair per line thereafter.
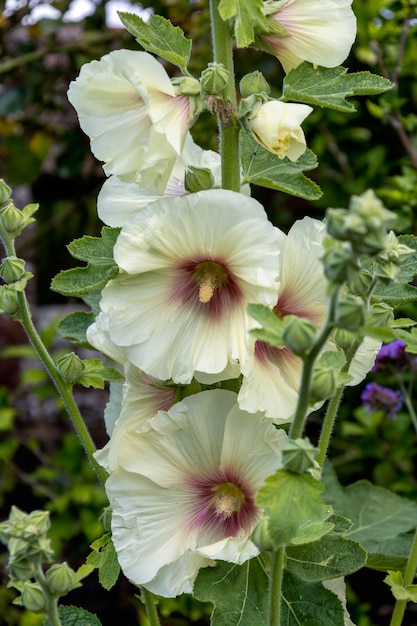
x,y
45,158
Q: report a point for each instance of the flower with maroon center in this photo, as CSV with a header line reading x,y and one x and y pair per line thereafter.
x,y
189,266
182,488
271,375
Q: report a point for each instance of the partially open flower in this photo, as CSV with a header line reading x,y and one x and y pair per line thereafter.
x,y
276,126
183,493
128,107
189,266
319,32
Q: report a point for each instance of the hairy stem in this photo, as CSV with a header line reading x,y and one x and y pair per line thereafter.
x,y
275,586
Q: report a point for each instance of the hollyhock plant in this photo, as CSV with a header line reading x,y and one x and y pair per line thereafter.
x,y
183,488
321,33
276,126
189,266
128,107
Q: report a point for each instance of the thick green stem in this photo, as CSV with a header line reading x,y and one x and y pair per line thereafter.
x,y
303,405
410,572
51,600
226,108
275,586
327,428
149,601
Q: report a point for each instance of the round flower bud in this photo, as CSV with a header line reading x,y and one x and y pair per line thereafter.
x,y
298,335
261,536
340,263
323,385
33,598
361,283
12,269
11,219
61,578
349,314
186,86
70,367
214,78
9,302
254,83
299,455
344,338
198,178
5,192
21,569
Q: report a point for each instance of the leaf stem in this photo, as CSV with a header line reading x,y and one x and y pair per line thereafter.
x,y
149,601
275,586
297,425
226,106
409,573
51,600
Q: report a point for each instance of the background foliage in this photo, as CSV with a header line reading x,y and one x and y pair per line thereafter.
x,y
46,158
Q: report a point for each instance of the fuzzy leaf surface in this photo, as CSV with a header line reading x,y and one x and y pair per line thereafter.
x,y
329,87
159,36
247,17
261,167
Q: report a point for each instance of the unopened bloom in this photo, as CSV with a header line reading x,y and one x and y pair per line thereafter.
x,y
189,266
319,32
128,107
378,398
276,126
183,489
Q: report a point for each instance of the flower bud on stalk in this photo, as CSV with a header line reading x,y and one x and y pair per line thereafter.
x,y
61,578
33,598
70,367
5,192
253,84
198,178
214,79
350,314
12,269
298,335
11,220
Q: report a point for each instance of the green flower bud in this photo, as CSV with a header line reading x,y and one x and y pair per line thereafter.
x,y
324,385
361,283
350,314
11,220
186,86
9,302
21,570
261,536
299,455
380,314
344,338
33,598
341,264
70,367
298,335
12,269
254,83
61,578
198,179
214,78
5,193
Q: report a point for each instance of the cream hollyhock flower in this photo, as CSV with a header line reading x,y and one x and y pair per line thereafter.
x,y
271,375
319,32
128,107
139,392
183,489
119,201
189,266
276,126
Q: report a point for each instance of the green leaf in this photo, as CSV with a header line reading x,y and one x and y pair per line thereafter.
x,y
329,87
160,37
238,592
399,591
96,250
81,281
104,558
272,326
380,518
295,510
305,603
264,168
329,557
74,326
95,374
247,16
74,616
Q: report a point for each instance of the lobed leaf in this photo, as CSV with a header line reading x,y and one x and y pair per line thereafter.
x,y
247,16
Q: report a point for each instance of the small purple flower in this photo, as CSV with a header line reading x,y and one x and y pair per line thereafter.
x,y
378,398
389,352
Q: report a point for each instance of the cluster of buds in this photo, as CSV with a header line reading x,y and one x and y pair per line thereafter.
x,y
363,230
25,535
